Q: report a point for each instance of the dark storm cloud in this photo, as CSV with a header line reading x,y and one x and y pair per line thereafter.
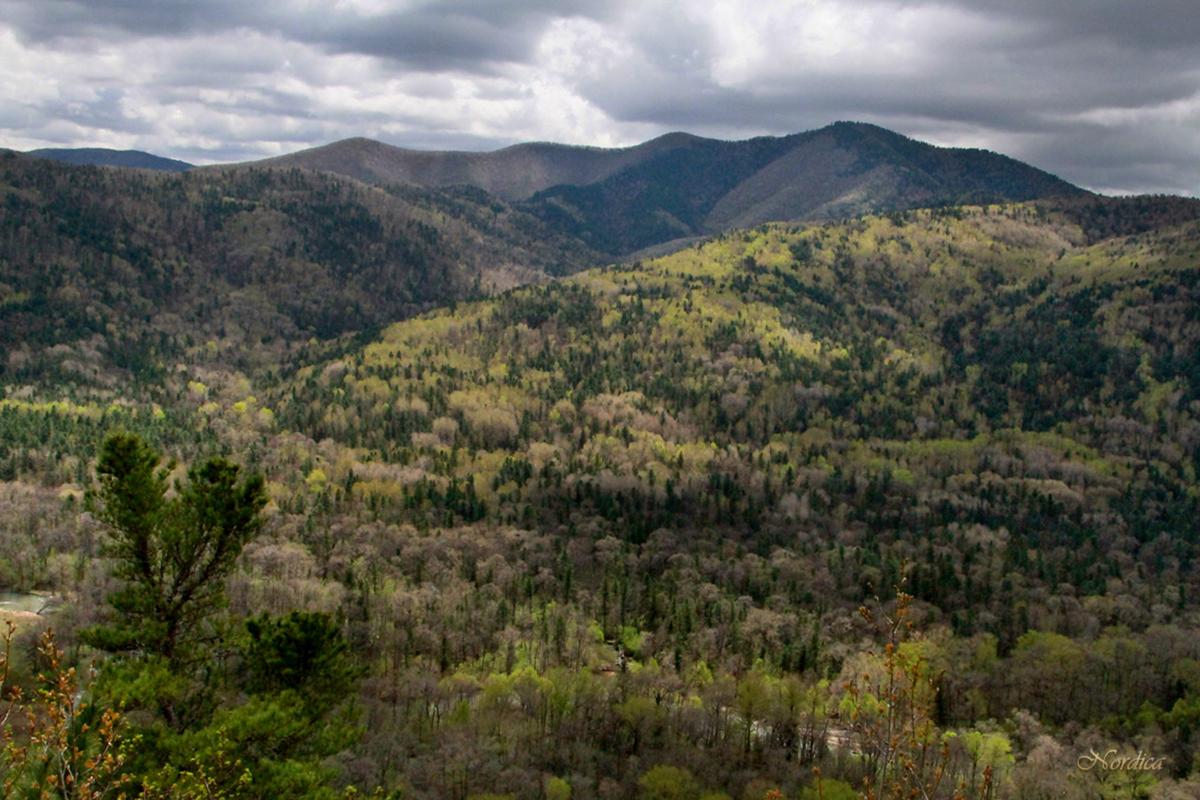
x,y
1105,93
439,35
428,35
1020,59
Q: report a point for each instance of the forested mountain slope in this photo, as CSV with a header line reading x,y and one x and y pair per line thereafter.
x,y
107,273
978,393
706,186
110,274
610,535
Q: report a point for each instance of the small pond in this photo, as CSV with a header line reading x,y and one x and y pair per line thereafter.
x,y
17,601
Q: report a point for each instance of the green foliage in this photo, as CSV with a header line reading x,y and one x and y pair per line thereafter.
x,y
829,789
304,654
171,553
557,789
666,782
267,747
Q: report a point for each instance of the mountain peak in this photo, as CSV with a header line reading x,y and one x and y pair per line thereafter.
x,y
674,139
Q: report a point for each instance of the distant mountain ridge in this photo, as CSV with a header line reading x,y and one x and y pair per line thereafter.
x,y
678,185
621,202
511,173
104,157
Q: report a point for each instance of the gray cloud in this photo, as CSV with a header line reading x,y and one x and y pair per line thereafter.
x,y
1139,26
429,35
1106,94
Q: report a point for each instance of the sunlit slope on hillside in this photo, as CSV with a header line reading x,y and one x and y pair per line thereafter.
x,y
976,381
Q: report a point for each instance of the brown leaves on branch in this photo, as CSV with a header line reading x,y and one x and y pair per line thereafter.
x,y
52,743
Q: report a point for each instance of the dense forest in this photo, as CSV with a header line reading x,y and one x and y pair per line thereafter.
x,y
106,275
900,506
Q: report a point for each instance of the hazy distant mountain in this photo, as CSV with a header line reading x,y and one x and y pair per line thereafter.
x,y
678,185
103,157
513,173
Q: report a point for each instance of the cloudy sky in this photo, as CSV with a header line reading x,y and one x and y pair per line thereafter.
x,y
1105,93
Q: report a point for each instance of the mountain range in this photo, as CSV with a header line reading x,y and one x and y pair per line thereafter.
x,y
617,201
110,272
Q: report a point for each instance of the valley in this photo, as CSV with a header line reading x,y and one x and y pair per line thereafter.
x,y
868,486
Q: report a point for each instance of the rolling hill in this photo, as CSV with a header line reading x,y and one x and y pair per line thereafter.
x,y
110,272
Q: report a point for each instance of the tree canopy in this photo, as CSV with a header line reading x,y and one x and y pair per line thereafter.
x,y
172,553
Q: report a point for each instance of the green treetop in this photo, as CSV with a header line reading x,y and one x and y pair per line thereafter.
x,y
172,553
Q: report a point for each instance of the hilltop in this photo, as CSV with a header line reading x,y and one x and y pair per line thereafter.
x,y
513,173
